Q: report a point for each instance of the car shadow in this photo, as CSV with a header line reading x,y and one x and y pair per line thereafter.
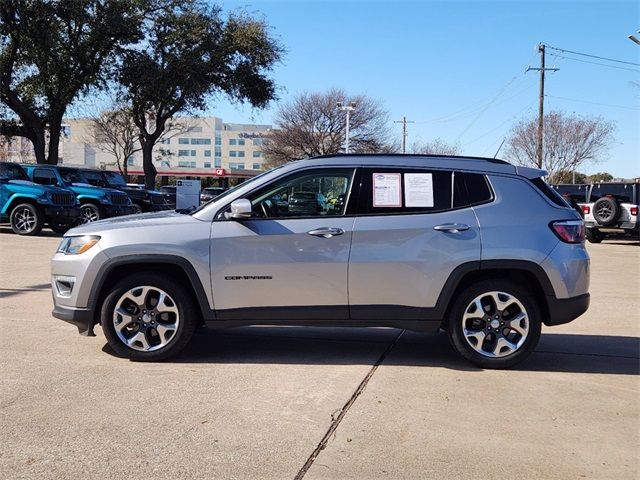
x,y
8,292
44,233
556,352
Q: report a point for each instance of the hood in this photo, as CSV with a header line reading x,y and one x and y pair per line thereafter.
x,y
143,220
28,186
85,188
138,192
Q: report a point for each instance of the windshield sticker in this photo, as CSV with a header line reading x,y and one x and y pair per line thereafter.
x,y
418,190
387,190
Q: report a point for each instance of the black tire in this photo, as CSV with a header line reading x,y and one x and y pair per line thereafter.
x,y
90,212
60,227
462,303
26,219
594,235
606,211
137,208
189,316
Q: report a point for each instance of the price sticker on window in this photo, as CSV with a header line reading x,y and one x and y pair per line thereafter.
x,y
387,190
418,190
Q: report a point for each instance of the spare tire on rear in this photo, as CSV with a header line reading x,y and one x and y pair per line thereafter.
x,y
606,211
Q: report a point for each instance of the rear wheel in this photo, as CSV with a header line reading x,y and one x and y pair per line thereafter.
x,y
89,213
148,317
594,235
495,324
26,219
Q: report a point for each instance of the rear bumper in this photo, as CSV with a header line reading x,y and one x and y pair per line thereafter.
x,y
565,310
80,317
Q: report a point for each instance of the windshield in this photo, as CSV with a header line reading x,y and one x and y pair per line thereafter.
x,y
231,190
116,179
577,192
12,172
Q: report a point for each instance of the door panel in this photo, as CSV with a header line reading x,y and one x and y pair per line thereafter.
x,y
402,262
277,263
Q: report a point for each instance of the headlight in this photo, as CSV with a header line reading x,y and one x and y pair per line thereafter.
x,y
77,245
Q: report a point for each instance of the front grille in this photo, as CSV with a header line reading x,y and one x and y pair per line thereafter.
x,y
66,199
119,198
157,199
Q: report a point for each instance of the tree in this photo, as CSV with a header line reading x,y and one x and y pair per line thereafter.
x,y
189,55
52,52
435,147
311,124
570,141
565,176
600,177
115,133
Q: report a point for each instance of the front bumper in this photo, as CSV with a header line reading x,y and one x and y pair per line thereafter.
x,y
61,213
80,317
565,310
119,210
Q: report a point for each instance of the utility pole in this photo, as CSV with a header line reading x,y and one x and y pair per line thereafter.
x,y
404,122
348,109
542,69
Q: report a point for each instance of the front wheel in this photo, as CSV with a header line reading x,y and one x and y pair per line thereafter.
x,y
137,209
26,219
494,324
148,317
89,213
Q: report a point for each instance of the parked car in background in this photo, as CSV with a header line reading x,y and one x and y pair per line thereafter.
x,y
27,206
574,194
169,192
612,208
137,186
143,200
306,203
420,242
96,201
210,193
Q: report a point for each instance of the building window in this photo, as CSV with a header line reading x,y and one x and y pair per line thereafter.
x,y
233,141
218,151
183,141
165,141
241,153
241,141
217,162
207,153
184,164
218,139
207,164
193,153
257,141
236,153
184,153
200,141
257,166
236,166
257,154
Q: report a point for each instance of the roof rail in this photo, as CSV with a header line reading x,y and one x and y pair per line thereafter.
x,y
463,157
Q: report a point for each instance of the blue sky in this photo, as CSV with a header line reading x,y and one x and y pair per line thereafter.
x,y
457,68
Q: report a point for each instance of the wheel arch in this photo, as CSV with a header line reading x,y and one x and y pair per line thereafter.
x,y
176,267
17,200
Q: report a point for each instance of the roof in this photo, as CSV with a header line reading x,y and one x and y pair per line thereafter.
x,y
473,164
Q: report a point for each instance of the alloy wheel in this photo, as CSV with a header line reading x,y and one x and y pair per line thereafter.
x,y
495,324
146,318
88,215
24,220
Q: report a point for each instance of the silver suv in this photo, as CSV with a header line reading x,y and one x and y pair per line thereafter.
x,y
478,247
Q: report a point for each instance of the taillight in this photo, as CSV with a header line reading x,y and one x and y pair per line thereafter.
x,y
586,209
569,231
634,211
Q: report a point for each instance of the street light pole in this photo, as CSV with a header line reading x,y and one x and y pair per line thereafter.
x,y
348,109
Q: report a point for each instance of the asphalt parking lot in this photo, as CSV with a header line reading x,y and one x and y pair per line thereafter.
x,y
267,402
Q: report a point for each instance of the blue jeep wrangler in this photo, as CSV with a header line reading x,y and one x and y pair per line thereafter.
x,y
96,201
27,206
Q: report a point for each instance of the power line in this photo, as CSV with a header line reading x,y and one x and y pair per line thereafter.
x,y
595,63
593,56
594,103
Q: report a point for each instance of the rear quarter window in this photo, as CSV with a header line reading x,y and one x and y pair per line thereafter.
x,y
549,192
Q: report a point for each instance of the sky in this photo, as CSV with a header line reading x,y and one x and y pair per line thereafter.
x,y
457,68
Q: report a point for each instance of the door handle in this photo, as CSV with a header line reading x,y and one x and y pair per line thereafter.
x,y
452,227
325,232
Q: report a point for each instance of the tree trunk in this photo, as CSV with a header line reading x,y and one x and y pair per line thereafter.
x,y
148,166
54,140
39,146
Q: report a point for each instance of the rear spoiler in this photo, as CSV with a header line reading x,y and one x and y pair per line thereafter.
x,y
529,172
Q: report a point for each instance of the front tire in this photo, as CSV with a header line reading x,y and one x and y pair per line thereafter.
x,y
26,219
495,324
148,317
89,213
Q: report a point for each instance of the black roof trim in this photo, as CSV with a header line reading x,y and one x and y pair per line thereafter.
x,y
462,157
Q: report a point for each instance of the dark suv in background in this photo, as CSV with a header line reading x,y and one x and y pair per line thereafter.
x,y
143,200
574,194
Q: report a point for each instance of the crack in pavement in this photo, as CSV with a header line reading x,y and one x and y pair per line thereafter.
x,y
336,421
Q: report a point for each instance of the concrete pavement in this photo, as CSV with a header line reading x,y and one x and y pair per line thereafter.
x,y
256,402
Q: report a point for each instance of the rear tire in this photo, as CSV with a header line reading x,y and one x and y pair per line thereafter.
x,y
594,235
26,219
494,323
148,317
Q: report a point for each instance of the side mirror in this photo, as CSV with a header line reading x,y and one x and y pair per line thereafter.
x,y
240,209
